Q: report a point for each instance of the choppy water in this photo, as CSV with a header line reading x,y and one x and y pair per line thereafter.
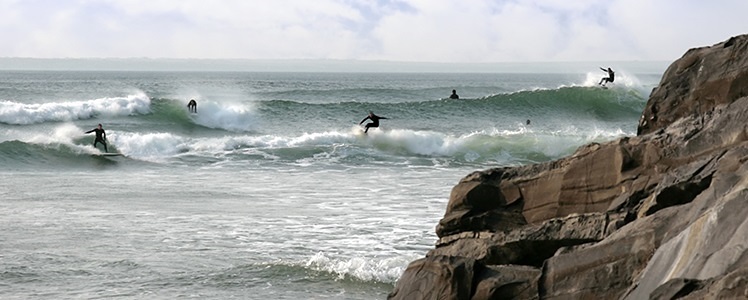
x,y
270,191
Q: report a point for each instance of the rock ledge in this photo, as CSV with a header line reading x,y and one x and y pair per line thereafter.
x,y
661,215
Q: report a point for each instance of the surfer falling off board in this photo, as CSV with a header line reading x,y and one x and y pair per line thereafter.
x,y
374,121
100,136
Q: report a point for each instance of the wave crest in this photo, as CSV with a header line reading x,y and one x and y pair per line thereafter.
x,y
15,113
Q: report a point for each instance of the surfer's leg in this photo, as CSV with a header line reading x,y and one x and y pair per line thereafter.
x,y
372,124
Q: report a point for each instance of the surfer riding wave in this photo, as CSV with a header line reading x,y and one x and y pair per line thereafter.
x,y
100,136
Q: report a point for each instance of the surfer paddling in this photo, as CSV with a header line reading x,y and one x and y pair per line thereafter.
x,y
374,121
610,78
100,136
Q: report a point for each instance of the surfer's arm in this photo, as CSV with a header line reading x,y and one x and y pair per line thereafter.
x,y
92,130
362,121
383,118
604,69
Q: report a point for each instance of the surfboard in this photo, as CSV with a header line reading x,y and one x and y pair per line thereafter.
x,y
108,154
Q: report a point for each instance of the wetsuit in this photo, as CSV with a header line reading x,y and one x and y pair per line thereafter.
x,y
100,137
192,106
454,95
374,121
611,76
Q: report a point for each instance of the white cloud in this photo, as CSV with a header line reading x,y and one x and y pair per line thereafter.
x,y
407,30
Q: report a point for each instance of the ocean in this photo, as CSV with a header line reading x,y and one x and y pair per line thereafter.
x,y
271,190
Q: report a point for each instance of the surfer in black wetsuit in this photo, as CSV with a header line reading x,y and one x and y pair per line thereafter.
x,y
374,121
100,136
192,106
454,95
610,78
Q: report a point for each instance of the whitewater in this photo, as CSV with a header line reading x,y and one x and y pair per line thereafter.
x,y
271,190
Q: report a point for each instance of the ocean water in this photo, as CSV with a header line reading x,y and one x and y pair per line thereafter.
x,y
270,191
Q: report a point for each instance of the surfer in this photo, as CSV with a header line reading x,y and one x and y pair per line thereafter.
x,y
610,78
454,95
374,121
100,136
192,106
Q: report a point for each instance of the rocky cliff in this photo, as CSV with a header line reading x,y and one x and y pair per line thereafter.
x,y
662,215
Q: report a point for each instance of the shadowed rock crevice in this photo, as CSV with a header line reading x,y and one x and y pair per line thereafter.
x,y
530,245
676,289
679,194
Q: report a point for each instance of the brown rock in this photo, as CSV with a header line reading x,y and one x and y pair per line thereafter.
x,y
660,215
697,82
477,204
436,277
529,245
733,285
676,289
507,282
603,271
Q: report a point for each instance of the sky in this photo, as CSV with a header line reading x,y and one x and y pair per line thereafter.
x,y
443,31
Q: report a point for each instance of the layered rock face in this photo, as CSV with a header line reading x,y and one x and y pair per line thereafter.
x,y
663,215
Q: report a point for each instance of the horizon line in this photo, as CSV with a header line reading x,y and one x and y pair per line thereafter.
x,y
309,65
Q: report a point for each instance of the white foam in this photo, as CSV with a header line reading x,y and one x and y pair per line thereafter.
x,y
493,144
22,114
229,143
65,134
498,144
148,146
159,146
440,144
367,269
229,116
623,80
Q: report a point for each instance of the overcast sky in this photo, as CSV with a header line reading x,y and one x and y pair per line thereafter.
x,y
461,31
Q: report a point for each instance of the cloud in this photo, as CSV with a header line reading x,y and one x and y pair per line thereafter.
x,y
395,30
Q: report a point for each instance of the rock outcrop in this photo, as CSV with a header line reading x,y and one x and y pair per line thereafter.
x,y
662,215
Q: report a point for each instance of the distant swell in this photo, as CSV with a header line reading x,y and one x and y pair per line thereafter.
x,y
493,132
604,104
614,103
564,102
